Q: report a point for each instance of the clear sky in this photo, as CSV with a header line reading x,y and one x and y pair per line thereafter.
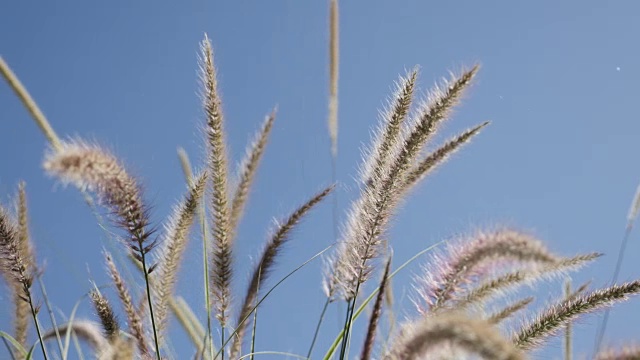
x,y
558,81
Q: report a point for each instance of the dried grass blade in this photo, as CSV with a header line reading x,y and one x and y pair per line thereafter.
x,y
29,104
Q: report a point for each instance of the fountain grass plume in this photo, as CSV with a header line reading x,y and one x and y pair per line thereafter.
x,y
495,287
471,274
173,247
90,167
509,310
247,170
108,320
221,255
549,322
481,255
133,316
460,333
382,192
15,268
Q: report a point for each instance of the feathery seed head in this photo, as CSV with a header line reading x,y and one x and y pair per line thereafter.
x,y
386,139
495,287
452,333
627,352
247,170
92,168
483,255
509,310
174,244
133,315
12,261
440,155
221,267
369,216
105,313
553,319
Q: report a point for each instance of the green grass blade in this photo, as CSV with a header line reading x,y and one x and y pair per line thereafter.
x,y
13,342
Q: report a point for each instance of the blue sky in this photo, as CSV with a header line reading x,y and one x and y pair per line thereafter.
x,y
558,81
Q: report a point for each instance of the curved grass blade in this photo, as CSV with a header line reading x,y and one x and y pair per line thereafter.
x,y
13,342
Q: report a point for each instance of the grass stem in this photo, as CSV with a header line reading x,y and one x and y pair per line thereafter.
x,y
315,334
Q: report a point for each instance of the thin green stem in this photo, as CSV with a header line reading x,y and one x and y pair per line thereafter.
x,y
35,320
567,334
51,315
205,259
147,283
255,317
221,351
315,334
602,329
348,323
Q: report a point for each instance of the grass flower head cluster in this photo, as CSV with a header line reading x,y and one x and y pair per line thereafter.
x,y
460,294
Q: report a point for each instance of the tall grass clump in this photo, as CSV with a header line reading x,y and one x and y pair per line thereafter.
x,y
462,296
